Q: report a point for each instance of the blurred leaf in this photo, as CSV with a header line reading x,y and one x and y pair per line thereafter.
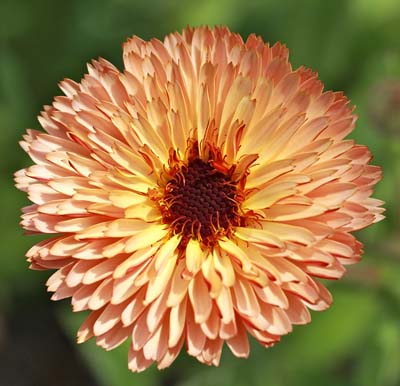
x,y
368,11
210,12
16,18
380,365
14,274
15,105
335,333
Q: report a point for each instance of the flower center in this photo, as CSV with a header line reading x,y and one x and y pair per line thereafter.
x,y
201,202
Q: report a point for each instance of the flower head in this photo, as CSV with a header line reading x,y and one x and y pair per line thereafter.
x,y
196,197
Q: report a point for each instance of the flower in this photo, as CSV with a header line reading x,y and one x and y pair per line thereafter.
x,y
197,196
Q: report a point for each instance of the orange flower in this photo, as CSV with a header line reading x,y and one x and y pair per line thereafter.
x,y
197,196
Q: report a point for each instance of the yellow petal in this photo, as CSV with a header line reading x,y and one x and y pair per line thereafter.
x,y
166,251
260,236
126,198
158,283
194,256
223,265
179,286
125,227
267,196
143,211
235,251
211,276
288,232
136,259
146,238
225,305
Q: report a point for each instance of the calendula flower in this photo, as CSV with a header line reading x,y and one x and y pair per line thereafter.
x,y
196,197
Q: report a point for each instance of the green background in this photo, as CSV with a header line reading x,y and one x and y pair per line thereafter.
x,y
355,47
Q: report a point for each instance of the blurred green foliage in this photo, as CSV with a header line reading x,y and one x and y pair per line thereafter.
x,y
353,44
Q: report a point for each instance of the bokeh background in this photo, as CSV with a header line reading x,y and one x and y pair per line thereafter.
x,y
355,47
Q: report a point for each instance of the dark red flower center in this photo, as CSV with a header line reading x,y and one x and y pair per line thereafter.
x,y
201,201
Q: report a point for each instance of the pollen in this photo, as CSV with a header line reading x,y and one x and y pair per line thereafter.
x,y
201,201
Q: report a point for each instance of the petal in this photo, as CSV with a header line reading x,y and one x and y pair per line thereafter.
x,y
239,344
177,323
194,256
152,234
235,251
161,280
200,299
